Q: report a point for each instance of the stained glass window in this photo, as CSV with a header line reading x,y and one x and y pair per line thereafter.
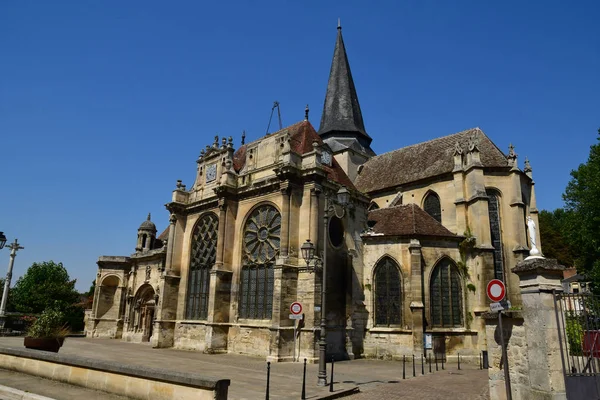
x,y
202,258
432,206
495,230
446,296
261,246
388,293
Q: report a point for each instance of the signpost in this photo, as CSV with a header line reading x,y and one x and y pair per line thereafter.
x,y
496,292
296,314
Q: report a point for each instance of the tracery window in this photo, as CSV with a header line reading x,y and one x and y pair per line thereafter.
x,y
202,258
261,246
432,206
388,293
446,295
495,230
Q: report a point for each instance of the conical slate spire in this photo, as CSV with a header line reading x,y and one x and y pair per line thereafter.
x,y
341,112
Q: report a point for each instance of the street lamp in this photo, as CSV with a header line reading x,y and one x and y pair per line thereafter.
x,y
2,240
308,253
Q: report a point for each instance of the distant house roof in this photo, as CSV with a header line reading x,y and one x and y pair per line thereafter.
x,y
424,160
302,135
405,220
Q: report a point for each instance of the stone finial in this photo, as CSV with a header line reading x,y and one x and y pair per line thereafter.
x,y
230,142
243,137
512,156
223,142
179,184
202,153
216,143
306,110
527,168
457,149
207,148
148,219
473,144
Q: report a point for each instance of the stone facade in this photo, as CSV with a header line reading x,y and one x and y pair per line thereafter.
x,y
399,263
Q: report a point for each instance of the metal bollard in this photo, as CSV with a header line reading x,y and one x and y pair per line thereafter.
x,y
436,364
404,367
443,356
459,361
414,372
422,365
331,381
303,396
480,362
429,356
268,378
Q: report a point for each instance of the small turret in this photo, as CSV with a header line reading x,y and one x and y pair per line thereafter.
x,y
146,235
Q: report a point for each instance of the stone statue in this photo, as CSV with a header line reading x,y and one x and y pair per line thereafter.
x,y
532,237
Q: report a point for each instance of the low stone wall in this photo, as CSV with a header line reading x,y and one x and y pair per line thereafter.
x,y
134,382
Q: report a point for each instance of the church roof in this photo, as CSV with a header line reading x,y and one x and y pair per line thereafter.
x,y
302,135
405,220
148,225
424,160
341,110
165,234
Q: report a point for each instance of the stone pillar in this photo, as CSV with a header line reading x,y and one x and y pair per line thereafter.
x,y
534,354
170,242
285,220
314,216
221,233
417,307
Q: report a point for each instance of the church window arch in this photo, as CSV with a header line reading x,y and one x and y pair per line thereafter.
x,y
261,242
202,258
432,206
388,293
445,293
496,232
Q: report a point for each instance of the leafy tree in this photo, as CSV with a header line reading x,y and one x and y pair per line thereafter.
x,y
582,200
47,285
553,231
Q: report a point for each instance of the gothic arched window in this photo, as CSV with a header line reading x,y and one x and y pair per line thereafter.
x,y
388,293
445,293
261,245
495,230
432,206
202,258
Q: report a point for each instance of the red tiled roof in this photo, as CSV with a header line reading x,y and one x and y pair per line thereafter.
x,y
239,158
406,220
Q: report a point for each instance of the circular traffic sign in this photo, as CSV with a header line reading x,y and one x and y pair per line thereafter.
x,y
496,290
296,308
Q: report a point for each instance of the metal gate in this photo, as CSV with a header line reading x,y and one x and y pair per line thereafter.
x,y
578,320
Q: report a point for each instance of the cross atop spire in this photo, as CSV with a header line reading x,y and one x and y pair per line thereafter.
x,y
342,119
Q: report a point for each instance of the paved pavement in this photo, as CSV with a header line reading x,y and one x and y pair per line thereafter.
x,y
376,379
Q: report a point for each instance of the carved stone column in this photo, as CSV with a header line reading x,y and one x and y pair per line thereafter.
x,y
221,235
417,307
285,219
171,242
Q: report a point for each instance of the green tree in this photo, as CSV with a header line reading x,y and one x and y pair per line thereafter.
x,y
47,285
582,201
553,231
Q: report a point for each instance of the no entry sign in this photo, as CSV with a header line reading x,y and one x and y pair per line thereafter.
x,y
496,290
296,308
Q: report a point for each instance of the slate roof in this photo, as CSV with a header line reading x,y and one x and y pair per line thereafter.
x,y
341,110
405,220
424,160
302,135
164,235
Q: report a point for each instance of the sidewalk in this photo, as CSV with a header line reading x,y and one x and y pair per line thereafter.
x,y
248,374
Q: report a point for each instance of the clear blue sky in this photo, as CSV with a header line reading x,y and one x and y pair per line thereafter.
x,y
105,104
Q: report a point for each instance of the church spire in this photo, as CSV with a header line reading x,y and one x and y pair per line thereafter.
x,y
342,117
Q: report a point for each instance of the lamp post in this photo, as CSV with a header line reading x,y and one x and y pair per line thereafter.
x,y
14,247
308,253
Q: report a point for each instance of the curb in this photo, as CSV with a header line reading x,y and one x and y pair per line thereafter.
x,y
341,393
8,393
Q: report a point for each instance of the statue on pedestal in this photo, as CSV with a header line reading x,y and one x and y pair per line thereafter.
x,y
533,252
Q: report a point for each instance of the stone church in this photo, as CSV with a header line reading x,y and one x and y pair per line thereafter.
x,y
407,241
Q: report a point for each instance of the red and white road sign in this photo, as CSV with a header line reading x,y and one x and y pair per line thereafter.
x,y
496,290
296,308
